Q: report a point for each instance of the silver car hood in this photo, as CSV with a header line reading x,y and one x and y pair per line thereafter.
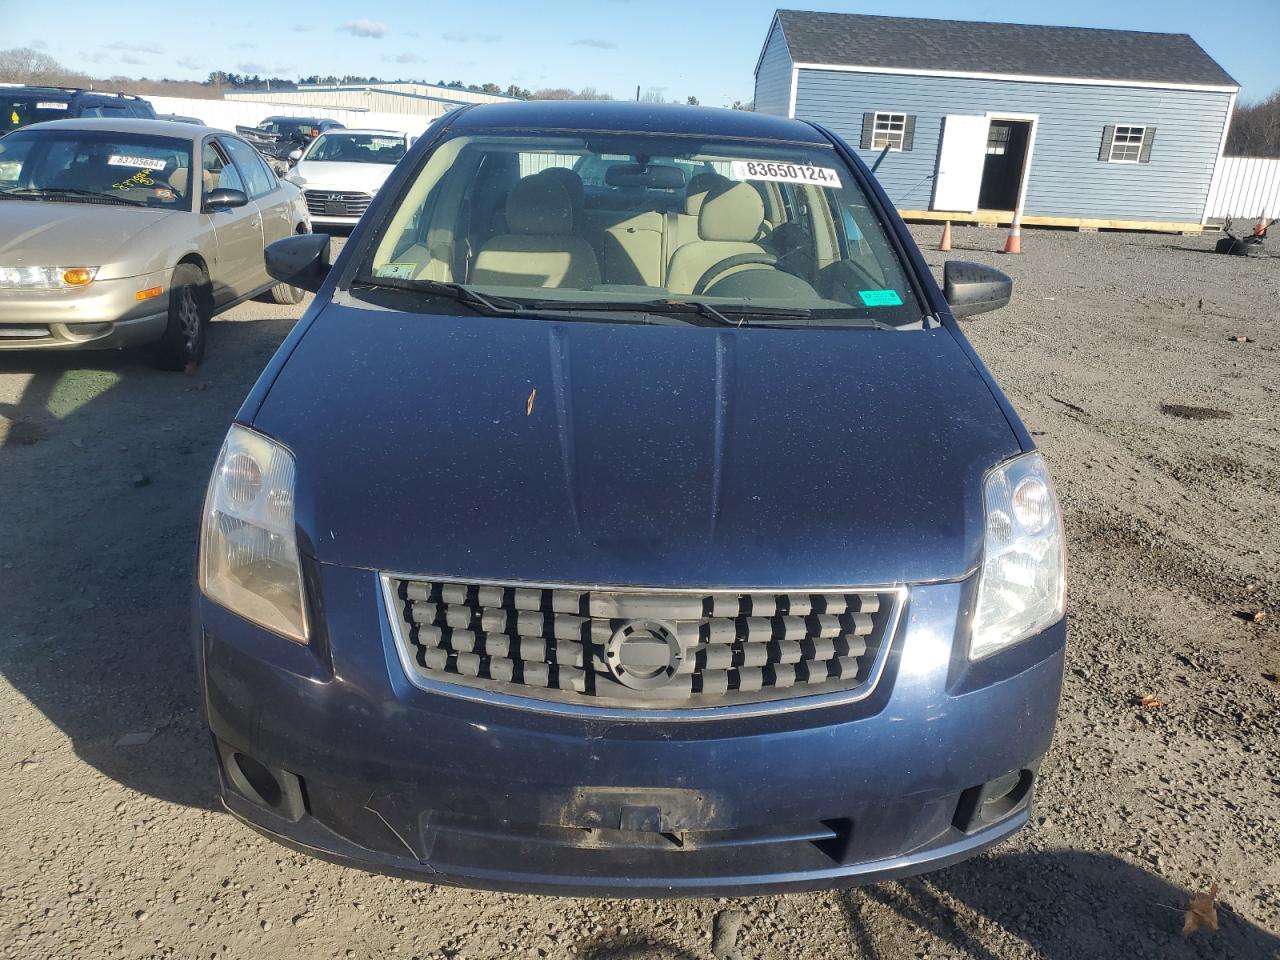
x,y
52,233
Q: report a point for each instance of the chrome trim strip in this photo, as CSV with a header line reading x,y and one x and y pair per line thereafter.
x,y
900,593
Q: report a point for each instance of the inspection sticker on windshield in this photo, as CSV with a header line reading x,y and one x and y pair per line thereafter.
x,y
784,172
401,271
880,298
144,163
52,105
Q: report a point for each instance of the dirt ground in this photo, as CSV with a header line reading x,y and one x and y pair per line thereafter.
x,y
1163,433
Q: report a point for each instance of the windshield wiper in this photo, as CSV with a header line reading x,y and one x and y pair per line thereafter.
x,y
667,308
721,315
482,303
71,192
495,306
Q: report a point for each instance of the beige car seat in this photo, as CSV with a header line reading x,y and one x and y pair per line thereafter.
x,y
541,249
729,221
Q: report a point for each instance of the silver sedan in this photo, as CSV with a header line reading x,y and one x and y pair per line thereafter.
x,y
123,232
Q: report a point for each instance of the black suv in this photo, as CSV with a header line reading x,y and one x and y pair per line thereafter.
x,y
21,105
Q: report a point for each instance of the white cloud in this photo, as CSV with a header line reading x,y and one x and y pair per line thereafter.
x,y
455,37
152,48
365,28
262,68
410,58
189,63
129,58
596,42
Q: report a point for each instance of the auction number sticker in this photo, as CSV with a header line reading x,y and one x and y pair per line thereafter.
x,y
52,105
784,172
399,271
143,163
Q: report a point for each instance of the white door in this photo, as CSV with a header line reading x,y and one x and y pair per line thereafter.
x,y
960,163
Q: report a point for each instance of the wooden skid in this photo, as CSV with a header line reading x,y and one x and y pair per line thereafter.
x,y
1005,217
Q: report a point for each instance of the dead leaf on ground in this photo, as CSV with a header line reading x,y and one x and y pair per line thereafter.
x,y
1243,339
1202,914
1149,701
1258,616
528,404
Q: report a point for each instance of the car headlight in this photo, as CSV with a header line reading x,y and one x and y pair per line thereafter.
x,y
296,178
46,278
248,546
1023,581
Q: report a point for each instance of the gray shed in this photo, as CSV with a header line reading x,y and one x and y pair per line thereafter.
x,y
1077,127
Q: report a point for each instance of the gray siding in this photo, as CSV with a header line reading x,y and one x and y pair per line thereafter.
x,y
773,79
1067,179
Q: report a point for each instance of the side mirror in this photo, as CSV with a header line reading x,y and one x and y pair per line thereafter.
x,y
300,261
295,155
224,198
973,288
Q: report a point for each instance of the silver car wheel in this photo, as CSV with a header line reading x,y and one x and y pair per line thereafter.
x,y
189,316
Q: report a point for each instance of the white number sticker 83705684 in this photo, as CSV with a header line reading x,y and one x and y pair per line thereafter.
x,y
780,172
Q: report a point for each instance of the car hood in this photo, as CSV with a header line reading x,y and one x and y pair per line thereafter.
x,y
53,233
332,175
597,453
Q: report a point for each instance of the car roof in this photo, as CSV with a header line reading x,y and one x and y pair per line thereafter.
x,y
154,128
609,116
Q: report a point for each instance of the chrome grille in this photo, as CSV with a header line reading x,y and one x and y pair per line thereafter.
x,y
642,649
325,203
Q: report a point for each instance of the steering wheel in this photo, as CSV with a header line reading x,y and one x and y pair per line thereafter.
x,y
713,272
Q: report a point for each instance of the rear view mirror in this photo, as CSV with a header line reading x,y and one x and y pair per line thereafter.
x,y
224,198
300,261
973,288
653,177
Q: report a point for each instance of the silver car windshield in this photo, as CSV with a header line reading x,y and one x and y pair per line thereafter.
x,y
98,166
356,148
600,220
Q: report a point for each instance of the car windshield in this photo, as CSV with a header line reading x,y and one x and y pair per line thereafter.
x,y
735,230
20,109
356,148
96,166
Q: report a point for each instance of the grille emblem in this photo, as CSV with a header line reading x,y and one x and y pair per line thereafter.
x,y
644,654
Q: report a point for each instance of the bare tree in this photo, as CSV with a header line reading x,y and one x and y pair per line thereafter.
x,y
26,65
1255,129
564,93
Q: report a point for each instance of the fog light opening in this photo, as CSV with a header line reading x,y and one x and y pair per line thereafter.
x,y
993,801
255,781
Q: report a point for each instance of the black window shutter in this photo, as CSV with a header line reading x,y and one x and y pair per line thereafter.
x,y
909,132
868,128
1108,134
1147,138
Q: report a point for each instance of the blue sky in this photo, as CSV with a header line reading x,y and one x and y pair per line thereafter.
x,y
705,49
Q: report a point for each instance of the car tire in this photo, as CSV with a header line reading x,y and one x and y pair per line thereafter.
x,y
182,345
285,294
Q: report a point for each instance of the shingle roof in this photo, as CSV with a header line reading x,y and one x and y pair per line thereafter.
x,y
965,46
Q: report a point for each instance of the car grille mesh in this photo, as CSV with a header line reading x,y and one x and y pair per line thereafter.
x,y
323,203
640,649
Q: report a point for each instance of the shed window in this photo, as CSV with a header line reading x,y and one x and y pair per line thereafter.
x,y
897,131
889,131
1127,144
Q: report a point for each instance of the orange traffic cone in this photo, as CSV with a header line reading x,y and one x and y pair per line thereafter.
x,y
945,243
1014,243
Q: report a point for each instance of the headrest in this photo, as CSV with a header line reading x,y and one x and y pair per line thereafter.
x,y
179,179
731,211
539,205
699,187
571,182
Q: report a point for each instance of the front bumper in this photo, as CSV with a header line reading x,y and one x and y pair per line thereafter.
x,y
104,314
331,750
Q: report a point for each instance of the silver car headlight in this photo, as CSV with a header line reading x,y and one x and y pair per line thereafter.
x,y
248,545
1023,586
46,278
296,179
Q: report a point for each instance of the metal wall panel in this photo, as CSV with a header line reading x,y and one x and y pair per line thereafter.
x,y
1246,187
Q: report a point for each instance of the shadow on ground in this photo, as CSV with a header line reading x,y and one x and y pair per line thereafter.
x,y
103,464
1062,904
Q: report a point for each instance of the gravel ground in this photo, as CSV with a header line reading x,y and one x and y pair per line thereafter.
x,y
1161,429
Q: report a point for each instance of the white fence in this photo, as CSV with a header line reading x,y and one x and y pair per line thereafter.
x,y
226,114
1245,187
